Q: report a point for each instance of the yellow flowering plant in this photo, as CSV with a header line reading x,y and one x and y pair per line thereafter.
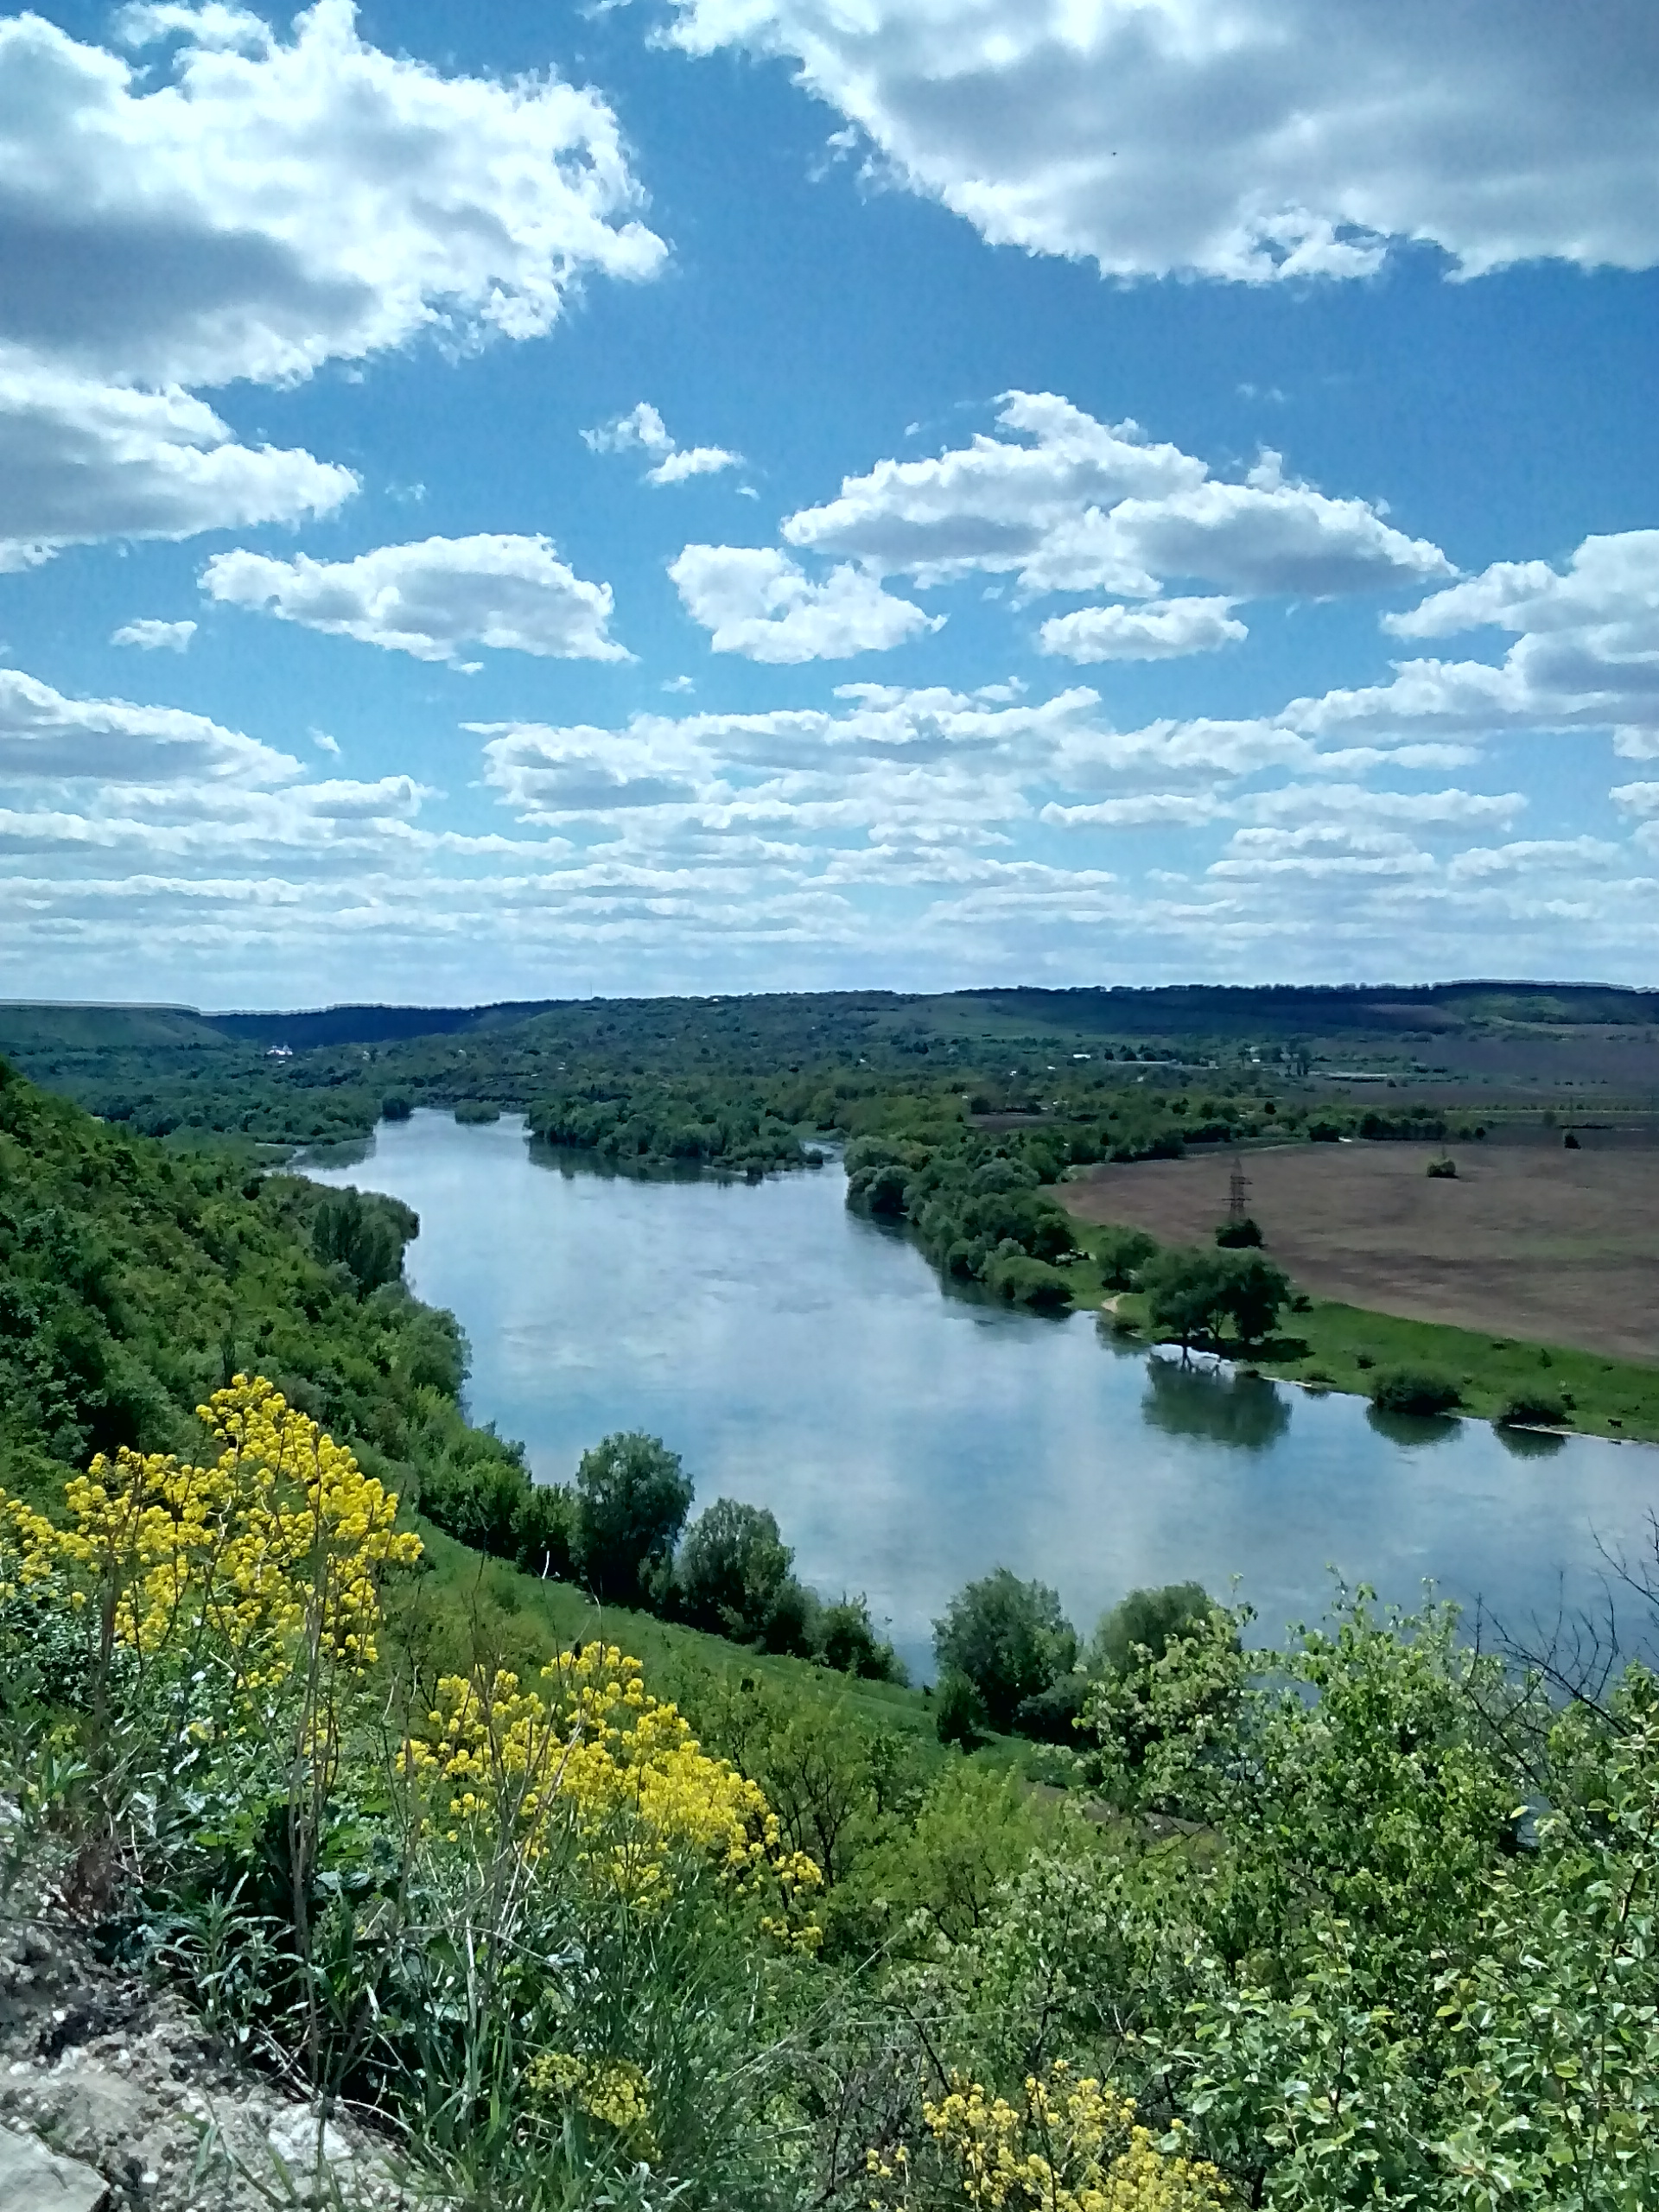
x,y
1072,2144
594,1758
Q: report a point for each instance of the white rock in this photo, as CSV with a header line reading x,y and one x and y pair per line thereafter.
x,y
35,2179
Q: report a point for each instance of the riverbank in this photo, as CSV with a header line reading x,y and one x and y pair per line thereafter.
x,y
1333,1346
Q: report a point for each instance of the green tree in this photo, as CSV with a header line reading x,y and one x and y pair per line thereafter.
x,y
1192,1294
364,1234
1148,1620
633,1497
1008,1637
734,1576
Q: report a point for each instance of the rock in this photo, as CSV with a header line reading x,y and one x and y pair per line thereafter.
x,y
35,2179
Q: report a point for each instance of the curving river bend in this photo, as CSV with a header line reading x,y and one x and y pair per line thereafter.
x,y
802,1358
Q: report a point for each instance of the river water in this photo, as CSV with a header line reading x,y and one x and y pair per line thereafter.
x,y
805,1359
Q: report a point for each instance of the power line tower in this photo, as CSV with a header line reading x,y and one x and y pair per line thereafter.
x,y
1237,1183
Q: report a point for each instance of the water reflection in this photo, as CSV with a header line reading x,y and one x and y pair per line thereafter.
x,y
1185,1398
1414,1430
1528,1443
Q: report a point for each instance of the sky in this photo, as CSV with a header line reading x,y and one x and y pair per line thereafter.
x,y
723,495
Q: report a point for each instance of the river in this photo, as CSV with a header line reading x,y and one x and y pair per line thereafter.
x,y
801,1358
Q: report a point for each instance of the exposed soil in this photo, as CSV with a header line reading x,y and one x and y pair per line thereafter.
x,y
1556,1246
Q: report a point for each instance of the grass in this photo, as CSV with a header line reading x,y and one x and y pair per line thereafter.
x,y
1340,1347
464,1599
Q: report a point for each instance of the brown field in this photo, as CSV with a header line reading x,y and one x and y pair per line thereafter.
x,y
1559,1246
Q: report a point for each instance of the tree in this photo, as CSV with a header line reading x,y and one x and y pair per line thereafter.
x,y
1148,1620
1008,1637
733,1576
1192,1294
365,1235
631,1500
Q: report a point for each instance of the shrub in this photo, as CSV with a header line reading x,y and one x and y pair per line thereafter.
x,y
1239,1235
1149,1619
1414,1390
734,1576
959,1714
1534,1409
394,1108
1442,1170
472,1111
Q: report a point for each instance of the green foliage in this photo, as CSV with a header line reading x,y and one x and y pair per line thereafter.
x,y
633,1497
1414,1390
1010,1638
734,1576
1442,1170
1534,1409
1120,1255
1147,1620
476,1112
394,1107
960,1716
1194,1295
1239,1235
365,1234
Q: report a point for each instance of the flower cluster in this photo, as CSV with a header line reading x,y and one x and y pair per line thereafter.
x,y
596,1754
613,2090
280,1544
1072,2147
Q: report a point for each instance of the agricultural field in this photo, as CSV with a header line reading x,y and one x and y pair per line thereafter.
x,y
1533,1241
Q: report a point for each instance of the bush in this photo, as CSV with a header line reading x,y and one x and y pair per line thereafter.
x,y
1239,1235
1442,1170
959,1714
1033,1284
472,1111
1534,1409
1008,1637
395,1107
1414,1390
1121,1253
365,1234
1050,1717
1148,1618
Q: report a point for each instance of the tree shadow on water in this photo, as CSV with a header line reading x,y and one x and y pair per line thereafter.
x,y
1528,1443
1243,1410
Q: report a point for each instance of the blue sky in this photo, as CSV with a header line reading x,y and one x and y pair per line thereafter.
x,y
721,494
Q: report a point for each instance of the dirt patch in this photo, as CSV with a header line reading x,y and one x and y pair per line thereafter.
x,y
1556,1246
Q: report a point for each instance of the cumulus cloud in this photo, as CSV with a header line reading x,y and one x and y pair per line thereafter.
x,y
1090,506
47,737
150,635
758,602
643,431
1159,629
81,460
430,599
1250,140
281,203
277,204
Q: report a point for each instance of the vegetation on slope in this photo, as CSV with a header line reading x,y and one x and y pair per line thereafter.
x,y
1369,1920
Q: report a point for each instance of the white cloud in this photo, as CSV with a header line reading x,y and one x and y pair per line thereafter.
x,y
81,460
642,429
1144,809
150,635
46,737
1354,804
1252,140
1159,629
278,206
323,742
429,599
1090,506
758,602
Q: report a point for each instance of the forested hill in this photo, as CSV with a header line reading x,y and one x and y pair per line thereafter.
x,y
135,1279
287,1078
